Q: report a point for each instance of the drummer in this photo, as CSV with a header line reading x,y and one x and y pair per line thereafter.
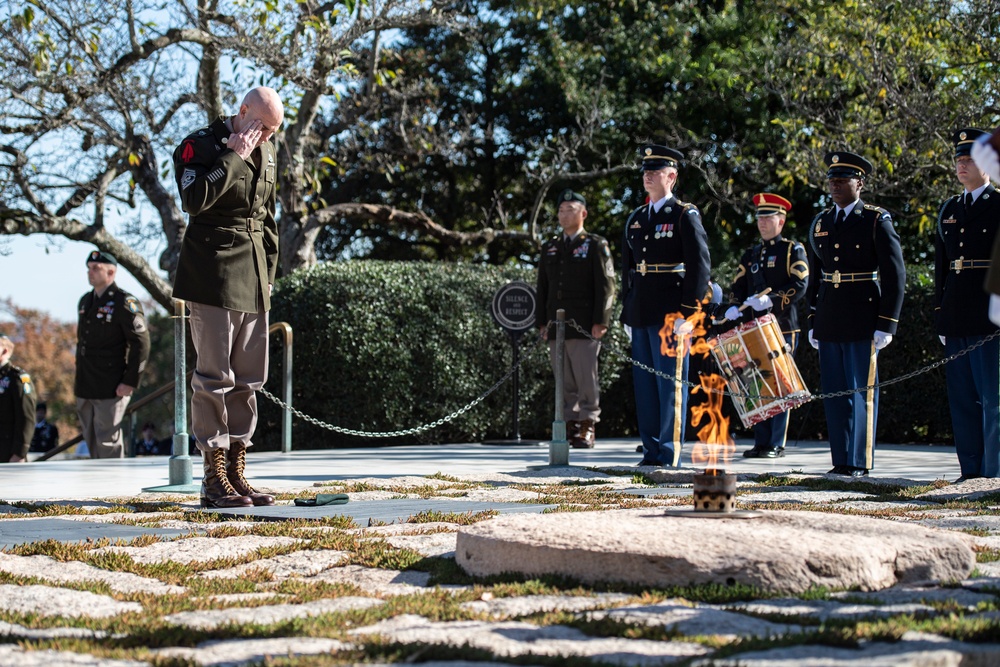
x,y
782,266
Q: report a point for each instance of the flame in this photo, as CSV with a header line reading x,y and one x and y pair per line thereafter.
x,y
694,343
714,446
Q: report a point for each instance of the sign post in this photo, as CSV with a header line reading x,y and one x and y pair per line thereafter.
x,y
513,309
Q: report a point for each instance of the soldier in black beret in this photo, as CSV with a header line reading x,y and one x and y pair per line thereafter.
x,y
226,175
781,265
665,272
855,292
576,274
46,437
966,232
17,407
112,347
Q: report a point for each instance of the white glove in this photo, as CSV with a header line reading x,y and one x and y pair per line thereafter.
x,y
682,327
942,340
882,339
758,303
628,332
986,158
733,313
813,341
995,309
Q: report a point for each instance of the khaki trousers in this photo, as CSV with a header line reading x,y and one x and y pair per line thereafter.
x,y
101,425
231,367
581,391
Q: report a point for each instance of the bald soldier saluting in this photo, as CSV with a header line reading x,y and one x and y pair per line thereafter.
x,y
226,176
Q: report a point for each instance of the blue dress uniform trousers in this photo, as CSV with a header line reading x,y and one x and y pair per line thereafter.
x,y
851,419
772,433
660,403
974,397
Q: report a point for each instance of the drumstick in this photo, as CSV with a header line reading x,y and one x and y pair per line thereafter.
x,y
745,306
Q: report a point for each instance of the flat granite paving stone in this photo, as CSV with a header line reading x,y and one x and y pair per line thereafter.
x,y
66,602
824,610
26,531
200,549
920,595
913,650
269,614
377,511
236,652
436,545
979,521
10,509
970,489
515,607
407,528
401,482
877,506
13,630
501,495
49,569
694,621
800,497
513,639
378,581
16,655
652,493
286,566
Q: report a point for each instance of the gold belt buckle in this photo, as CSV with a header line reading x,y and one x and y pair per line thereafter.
x,y
836,277
957,265
642,268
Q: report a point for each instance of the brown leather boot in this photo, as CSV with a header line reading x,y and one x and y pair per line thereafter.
x,y
572,429
236,463
585,438
216,491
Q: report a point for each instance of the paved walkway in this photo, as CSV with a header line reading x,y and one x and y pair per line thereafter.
x,y
94,572
68,478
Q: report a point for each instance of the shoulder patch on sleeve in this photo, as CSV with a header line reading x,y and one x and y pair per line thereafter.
x,y
132,304
187,178
26,382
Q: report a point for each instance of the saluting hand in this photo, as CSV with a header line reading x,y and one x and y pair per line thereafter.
x,y
246,140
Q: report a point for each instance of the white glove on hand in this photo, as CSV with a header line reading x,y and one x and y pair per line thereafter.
x,y
682,327
733,313
986,158
882,339
942,340
995,309
813,341
759,303
628,332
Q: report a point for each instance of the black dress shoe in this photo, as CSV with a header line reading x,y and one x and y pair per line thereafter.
x,y
769,454
638,449
752,453
781,451
966,478
644,462
858,472
839,470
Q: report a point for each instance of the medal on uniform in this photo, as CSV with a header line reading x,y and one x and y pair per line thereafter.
x,y
670,231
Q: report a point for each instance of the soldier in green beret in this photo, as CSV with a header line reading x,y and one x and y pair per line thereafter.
x,y
17,407
576,274
226,176
112,347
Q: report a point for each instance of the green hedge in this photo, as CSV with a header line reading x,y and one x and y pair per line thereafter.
x,y
383,346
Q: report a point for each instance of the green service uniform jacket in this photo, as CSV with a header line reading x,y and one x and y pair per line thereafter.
x,y
112,343
17,412
781,265
229,255
576,275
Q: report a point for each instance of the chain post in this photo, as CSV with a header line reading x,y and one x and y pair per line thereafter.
x,y
559,447
180,461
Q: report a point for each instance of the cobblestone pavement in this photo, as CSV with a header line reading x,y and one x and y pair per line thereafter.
x,y
187,587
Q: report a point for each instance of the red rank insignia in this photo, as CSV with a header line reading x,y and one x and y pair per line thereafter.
x,y
187,153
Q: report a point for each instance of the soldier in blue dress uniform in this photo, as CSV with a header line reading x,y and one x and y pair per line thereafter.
x,y
665,270
855,292
966,229
782,265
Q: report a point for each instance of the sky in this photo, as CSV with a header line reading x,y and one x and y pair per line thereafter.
x,y
49,274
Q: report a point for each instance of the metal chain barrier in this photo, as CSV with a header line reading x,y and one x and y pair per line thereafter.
x,y
409,431
814,397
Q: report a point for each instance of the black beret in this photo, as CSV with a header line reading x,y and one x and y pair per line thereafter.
x,y
841,164
569,195
102,257
964,139
657,157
